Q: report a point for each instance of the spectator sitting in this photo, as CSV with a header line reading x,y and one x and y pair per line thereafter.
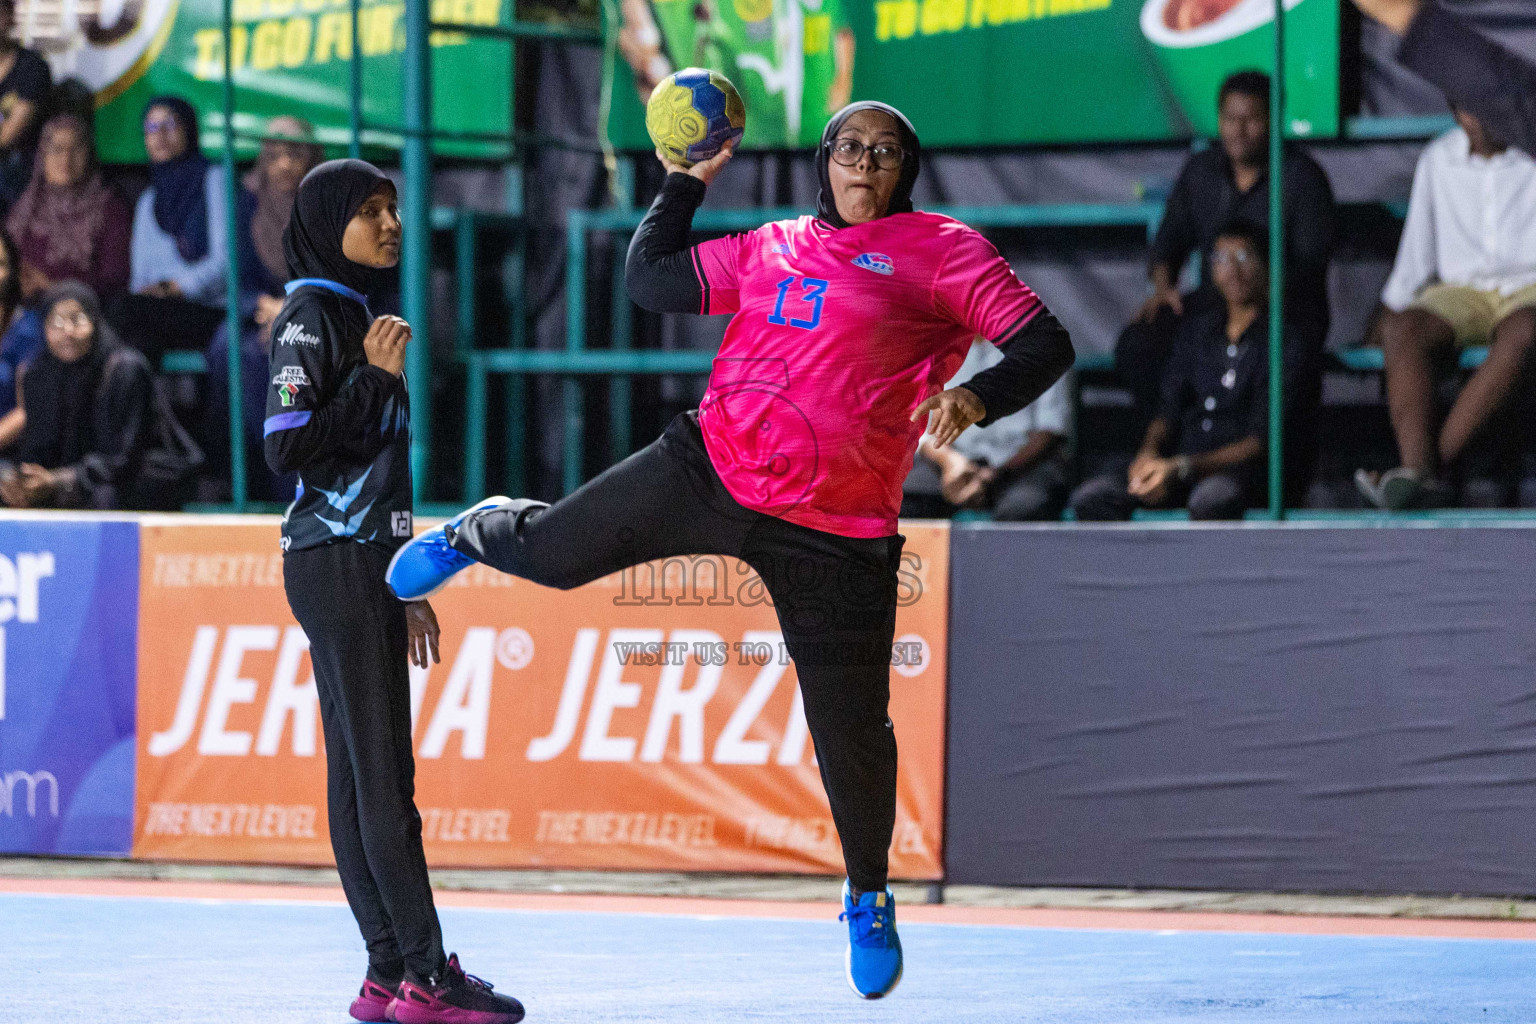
x,y
1016,466
1214,415
1465,275
24,84
288,152
178,254
1226,183
69,224
89,406
22,338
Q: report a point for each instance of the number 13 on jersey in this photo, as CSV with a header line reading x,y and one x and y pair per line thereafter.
x,y
813,290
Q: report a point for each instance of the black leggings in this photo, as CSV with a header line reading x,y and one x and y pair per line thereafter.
x,y
835,598
357,642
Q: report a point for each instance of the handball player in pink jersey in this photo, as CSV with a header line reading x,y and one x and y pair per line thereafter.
x,y
844,327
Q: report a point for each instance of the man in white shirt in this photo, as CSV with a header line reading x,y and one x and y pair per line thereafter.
x,y
1465,275
1016,466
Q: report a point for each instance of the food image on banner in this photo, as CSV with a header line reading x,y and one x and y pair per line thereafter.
x,y
649,720
68,612
1199,42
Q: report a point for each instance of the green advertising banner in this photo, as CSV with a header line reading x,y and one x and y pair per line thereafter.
x,y
981,72
289,57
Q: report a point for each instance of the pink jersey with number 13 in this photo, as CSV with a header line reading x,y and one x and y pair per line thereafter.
x,y
838,335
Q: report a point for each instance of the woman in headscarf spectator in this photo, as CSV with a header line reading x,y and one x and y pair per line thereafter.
x,y
69,224
89,406
178,254
21,338
288,152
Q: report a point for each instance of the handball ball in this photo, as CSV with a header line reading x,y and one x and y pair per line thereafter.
x,y
693,113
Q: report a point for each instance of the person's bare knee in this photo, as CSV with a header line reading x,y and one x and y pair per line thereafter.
x,y
1515,336
1414,333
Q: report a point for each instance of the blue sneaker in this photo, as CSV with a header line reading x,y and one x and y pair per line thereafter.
x,y
426,563
874,949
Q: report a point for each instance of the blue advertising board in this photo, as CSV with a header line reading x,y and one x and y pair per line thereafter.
x,y
69,602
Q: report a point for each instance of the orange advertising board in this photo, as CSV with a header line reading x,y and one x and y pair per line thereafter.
x,y
646,721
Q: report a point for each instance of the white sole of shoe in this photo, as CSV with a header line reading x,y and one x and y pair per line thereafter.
x,y
491,502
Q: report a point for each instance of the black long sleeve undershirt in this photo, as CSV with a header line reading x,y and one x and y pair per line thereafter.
x,y
659,270
1034,357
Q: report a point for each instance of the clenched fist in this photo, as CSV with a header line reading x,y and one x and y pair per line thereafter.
x,y
385,344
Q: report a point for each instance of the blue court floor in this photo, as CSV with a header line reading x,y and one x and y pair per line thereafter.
x,y
96,960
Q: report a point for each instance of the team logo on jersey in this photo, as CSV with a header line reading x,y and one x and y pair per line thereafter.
x,y
288,383
879,262
293,334
781,249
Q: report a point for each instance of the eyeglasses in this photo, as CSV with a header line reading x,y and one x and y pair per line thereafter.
x,y
1240,258
887,155
71,321
161,125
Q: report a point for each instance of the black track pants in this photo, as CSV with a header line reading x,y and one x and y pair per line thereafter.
x,y
835,597
357,642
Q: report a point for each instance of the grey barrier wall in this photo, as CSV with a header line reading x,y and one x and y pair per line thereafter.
x,y
1249,708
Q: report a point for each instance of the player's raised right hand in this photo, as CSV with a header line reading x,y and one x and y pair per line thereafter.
x,y
704,170
385,344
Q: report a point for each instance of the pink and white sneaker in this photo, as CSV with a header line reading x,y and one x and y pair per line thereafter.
x,y
452,997
372,1002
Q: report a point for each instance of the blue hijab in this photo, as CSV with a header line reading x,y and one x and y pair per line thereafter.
x,y
181,198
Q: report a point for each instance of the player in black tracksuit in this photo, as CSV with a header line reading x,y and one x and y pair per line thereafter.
x,y
338,413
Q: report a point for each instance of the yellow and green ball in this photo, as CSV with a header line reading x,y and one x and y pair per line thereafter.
x,y
692,113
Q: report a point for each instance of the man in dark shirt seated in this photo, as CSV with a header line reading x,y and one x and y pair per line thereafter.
x,y
1214,412
1224,183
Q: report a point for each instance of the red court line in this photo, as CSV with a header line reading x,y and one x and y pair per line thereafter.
x,y
1114,920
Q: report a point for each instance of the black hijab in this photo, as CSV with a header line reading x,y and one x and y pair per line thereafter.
x,y
901,199
329,197
181,185
60,397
